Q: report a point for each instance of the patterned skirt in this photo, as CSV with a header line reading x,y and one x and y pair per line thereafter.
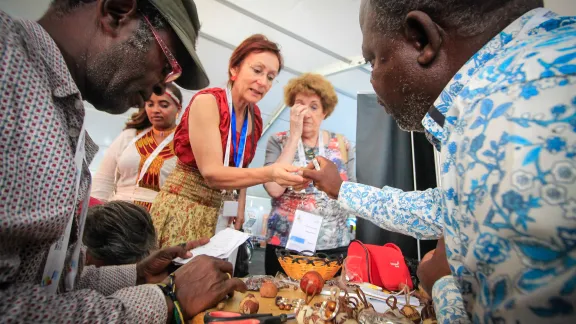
x,y
147,205
186,208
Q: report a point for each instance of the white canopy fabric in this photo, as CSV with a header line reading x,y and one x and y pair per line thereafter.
x,y
320,36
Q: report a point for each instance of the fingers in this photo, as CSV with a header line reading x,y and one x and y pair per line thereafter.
x,y
292,180
302,186
310,166
235,284
312,174
290,168
299,109
184,249
322,161
303,114
175,251
194,244
223,266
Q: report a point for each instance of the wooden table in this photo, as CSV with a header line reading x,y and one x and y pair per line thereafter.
x,y
267,305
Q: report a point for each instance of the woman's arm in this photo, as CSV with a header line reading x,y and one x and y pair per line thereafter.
x,y
275,154
204,133
351,163
241,209
104,181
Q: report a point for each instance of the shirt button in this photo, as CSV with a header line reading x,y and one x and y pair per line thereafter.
x,y
73,132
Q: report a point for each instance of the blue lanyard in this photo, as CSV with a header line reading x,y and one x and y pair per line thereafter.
x,y
238,148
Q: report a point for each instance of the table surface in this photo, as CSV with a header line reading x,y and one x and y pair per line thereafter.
x,y
267,305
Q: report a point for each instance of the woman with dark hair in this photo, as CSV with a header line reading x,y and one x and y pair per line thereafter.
x,y
140,159
118,233
214,143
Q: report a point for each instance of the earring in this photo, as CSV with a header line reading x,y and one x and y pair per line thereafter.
x,y
233,78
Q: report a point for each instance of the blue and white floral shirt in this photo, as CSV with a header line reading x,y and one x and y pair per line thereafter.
x,y
506,123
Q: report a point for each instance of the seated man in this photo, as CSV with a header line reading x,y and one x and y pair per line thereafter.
x,y
117,233
493,84
114,54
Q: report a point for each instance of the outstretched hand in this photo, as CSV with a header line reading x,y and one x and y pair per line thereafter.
x,y
286,175
326,179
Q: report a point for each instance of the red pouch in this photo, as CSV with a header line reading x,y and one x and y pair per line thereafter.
x,y
383,266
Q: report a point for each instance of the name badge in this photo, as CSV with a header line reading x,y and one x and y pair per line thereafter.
x,y
230,209
304,233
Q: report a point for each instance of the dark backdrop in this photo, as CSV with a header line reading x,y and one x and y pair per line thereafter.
x,y
384,158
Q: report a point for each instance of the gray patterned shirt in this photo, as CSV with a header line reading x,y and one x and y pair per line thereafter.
x,y
41,115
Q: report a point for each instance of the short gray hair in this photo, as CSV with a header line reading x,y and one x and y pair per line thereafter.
x,y
466,17
119,232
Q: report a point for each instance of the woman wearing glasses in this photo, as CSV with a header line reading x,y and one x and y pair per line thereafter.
x,y
140,159
214,143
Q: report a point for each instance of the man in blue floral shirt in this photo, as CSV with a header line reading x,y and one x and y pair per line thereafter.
x,y
495,84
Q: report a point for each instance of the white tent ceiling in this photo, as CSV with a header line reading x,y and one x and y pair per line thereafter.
x,y
315,35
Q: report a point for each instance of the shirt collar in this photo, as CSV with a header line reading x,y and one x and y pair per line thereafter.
x,y
40,43
436,117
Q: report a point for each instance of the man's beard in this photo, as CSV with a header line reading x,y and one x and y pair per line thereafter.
x,y
110,73
409,116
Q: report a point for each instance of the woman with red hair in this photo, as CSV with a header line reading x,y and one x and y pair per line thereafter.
x,y
214,143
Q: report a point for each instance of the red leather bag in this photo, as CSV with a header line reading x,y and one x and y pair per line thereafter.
x,y
383,266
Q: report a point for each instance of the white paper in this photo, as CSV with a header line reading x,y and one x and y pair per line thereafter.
x,y
304,233
230,209
221,245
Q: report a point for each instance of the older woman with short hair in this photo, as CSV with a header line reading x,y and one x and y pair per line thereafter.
x,y
312,99
117,233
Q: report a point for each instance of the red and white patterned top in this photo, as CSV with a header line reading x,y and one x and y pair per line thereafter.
x,y
41,115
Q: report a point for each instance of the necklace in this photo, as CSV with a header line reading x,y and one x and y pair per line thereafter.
x,y
162,133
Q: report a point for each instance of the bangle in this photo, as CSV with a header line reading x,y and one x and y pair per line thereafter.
x,y
170,291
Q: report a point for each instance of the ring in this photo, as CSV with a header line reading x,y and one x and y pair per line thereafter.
x,y
229,276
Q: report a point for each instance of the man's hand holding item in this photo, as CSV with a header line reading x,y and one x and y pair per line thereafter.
x,y
326,179
158,265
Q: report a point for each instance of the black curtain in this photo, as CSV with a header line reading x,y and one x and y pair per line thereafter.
x,y
384,158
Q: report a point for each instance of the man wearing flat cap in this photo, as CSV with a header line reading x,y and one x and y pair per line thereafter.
x,y
113,54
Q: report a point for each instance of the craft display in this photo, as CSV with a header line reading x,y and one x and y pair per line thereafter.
x,y
249,304
429,314
346,303
268,290
311,284
408,310
255,282
297,264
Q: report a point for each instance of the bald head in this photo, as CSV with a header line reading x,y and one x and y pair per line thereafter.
x,y
465,17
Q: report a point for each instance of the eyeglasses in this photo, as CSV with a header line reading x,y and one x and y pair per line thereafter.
x,y
176,69
259,71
